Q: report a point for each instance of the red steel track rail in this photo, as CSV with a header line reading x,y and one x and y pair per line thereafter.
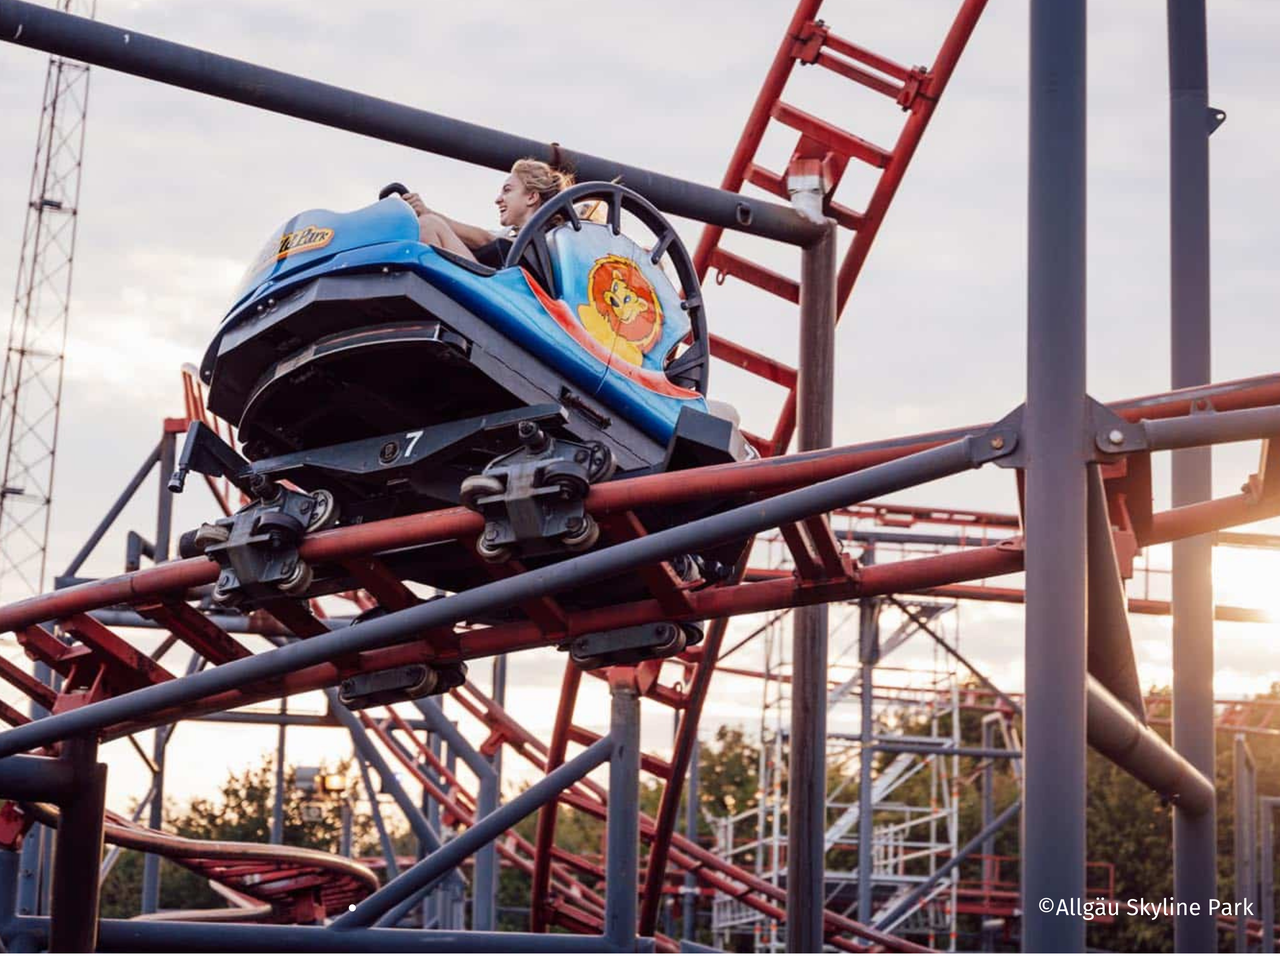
x,y
916,90
99,663
103,663
298,885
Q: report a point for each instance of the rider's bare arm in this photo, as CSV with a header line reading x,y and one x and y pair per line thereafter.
x,y
468,233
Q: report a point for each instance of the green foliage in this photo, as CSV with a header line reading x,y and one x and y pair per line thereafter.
x,y
241,812
729,775
1129,832
1129,828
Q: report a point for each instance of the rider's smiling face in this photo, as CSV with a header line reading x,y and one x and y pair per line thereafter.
x,y
515,203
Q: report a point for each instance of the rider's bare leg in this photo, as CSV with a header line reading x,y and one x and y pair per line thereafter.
x,y
433,229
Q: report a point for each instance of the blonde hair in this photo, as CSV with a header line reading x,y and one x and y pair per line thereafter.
x,y
541,178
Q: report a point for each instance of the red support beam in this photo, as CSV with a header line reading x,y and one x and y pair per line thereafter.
x,y
26,684
546,829
755,478
728,264
841,142
767,368
113,650
195,630
381,584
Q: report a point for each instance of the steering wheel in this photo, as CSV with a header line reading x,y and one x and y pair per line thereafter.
x,y
691,369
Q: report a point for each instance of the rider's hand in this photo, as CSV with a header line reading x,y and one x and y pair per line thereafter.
x,y
415,201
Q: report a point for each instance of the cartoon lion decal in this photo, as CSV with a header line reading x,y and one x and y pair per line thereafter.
x,y
623,313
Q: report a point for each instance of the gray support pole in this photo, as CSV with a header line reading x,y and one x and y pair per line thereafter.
x,y
34,860
10,873
622,822
500,698
1267,872
693,805
484,888
1240,839
431,808
277,798
423,876
155,820
918,894
19,943
453,894
1194,835
1137,749
104,45
29,871
1199,430
869,653
988,814
926,748
1245,848
978,675
365,748
1056,432
275,718
164,511
344,843
37,778
114,617
375,811
9,865
807,800
484,892
619,558
122,501
160,936
74,906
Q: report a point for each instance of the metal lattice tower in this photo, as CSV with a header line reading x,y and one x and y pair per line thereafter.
x,y
31,389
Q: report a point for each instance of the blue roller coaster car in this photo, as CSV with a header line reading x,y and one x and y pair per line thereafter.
x,y
371,376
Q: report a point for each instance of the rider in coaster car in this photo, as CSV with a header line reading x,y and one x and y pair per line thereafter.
x,y
530,184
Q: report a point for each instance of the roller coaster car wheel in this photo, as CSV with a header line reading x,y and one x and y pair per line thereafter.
x,y
585,538
602,464
193,543
297,582
693,634
476,488
492,554
324,511
692,368
572,486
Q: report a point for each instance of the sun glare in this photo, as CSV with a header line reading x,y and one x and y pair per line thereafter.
x,y
1245,577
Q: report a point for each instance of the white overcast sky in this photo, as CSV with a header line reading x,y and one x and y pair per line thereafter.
x,y
180,190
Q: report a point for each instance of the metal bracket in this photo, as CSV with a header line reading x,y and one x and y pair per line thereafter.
x,y
1113,435
1216,119
917,85
808,43
387,456
206,452
1000,443
533,498
409,452
257,548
